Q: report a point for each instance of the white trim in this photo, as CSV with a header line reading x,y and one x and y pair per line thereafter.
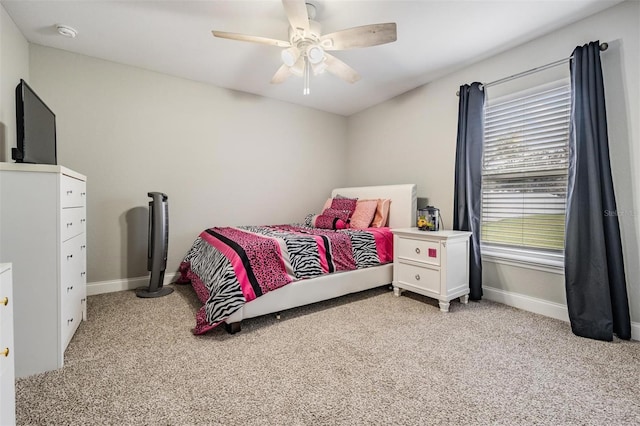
x,y
540,261
527,303
635,330
100,287
539,306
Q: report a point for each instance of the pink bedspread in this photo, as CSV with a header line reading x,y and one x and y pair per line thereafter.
x,y
228,267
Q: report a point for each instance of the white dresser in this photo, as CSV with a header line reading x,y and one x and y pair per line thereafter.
x,y
42,232
7,376
432,263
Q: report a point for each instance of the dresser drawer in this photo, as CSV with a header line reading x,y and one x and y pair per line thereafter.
x,y
419,250
72,286
422,277
73,221
73,192
71,315
73,262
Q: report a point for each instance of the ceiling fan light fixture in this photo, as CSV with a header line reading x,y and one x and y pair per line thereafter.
x,y
298,68
290,56
319,68
315,54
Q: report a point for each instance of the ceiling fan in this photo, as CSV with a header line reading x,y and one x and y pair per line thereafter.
x,y
306,50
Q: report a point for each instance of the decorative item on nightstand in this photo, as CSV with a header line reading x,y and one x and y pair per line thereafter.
x,y
428,219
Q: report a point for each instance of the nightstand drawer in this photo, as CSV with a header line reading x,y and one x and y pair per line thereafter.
x,y
425,278
419,250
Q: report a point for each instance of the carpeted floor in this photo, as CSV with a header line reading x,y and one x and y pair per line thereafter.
x,y
364,359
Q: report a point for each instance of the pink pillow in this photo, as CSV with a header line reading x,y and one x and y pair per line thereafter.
x,y
382,214
364,213
340,214
329,222
344,204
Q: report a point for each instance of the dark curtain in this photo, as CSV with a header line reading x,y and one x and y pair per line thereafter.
x,y
594,269
468,178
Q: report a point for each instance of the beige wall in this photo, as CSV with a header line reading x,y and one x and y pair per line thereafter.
x,y
14,65
412,137
222,157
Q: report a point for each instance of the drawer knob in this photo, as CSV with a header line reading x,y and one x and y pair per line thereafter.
x,y
69,321
82,247
5,352
417,277
69,192
417,250
83,193
82,274
69,256
69,224
69,288
4,301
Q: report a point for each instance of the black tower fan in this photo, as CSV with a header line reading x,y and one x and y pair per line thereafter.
x,y
158,246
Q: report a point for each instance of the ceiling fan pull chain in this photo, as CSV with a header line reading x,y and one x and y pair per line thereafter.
x,y
307,73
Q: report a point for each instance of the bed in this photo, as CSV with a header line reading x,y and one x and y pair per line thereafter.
x,y
230,299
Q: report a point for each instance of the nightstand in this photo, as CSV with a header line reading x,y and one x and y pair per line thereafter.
x,y
432,263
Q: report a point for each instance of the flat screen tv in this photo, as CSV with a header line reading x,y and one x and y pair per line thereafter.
x,y
36,128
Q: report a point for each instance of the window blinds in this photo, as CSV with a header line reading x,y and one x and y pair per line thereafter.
x,y
525,165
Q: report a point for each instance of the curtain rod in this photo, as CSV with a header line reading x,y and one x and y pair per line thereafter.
x,y
603,47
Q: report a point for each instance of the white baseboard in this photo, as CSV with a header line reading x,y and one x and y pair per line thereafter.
x,y
100,287
527,303
539,306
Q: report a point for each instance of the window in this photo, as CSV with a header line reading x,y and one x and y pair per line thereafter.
x,y
526,156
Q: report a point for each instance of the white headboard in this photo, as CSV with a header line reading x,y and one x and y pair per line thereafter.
x,y
402,212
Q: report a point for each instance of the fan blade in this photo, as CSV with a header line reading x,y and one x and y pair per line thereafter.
x,y
339,68
296,11
281,75
364,36
252,39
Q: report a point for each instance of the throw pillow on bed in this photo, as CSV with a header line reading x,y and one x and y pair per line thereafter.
x,y
363,214
343,215
382,214
329,201
310,220
325,221
329,219
344,204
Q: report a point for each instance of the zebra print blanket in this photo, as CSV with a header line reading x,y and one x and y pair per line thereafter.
x,y
228,267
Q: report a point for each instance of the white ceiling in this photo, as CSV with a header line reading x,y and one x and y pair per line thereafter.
x,y
174,37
